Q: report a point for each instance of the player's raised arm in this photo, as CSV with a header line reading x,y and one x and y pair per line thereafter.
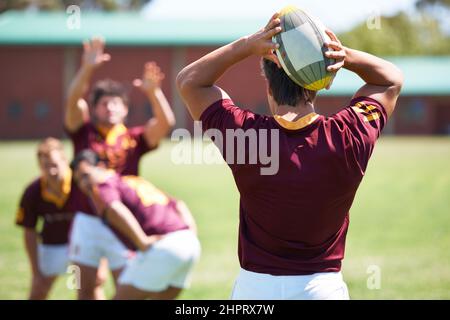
x,y
77,111
196,82
383,79
121,218
163,118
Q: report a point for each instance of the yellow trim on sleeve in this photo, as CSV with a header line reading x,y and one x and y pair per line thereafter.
x,y
20,215
369,112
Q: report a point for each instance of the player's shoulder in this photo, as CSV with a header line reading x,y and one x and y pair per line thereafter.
x,y
111,179
33,189
361,108
228,106
84,127
135,130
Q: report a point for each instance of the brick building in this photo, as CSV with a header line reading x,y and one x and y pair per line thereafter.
x,y
40,53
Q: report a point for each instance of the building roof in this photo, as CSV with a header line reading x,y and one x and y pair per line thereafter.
x,y
423,75
124,28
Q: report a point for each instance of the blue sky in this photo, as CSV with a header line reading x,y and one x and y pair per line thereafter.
x,y
338,15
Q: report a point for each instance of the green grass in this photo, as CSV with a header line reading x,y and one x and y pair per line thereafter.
x,y
400,221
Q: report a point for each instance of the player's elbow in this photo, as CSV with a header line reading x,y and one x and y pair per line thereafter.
x,y
185,81
171,122
397,79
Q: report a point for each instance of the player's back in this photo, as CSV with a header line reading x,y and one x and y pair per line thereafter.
x,y
309,197
295,220
155,212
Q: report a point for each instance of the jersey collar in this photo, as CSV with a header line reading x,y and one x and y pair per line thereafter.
x,y
66,186
297,124
112,134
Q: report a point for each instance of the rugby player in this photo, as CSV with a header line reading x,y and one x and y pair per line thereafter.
x,y
161,228
293,224
50,198
100,127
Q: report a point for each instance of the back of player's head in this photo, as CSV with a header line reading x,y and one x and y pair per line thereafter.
x,y
108,88
87,156
283,90
48,145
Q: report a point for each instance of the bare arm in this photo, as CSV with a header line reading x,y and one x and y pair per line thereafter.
x,y
383,79
120,217
77,111
31,244
196,82
163,118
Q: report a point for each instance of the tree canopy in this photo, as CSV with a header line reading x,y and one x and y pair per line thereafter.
x,y
400,35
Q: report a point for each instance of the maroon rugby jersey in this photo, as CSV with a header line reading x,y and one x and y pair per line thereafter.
x,y
121,147
155,212
295,221
57,213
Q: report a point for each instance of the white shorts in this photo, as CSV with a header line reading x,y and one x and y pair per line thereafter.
x,y
91,239
318,286
53,259
169,262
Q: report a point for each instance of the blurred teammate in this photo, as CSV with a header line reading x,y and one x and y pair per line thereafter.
x,y
100,127
50,198
161,228
293,224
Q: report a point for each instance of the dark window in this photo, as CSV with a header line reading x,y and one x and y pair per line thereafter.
x,y
14,110
415,112
41,110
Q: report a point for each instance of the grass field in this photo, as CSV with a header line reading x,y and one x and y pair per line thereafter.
x,y
400,221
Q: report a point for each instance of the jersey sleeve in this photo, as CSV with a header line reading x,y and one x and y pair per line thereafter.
x,y
224,114
363,120
26,215
225,124
80,137
137,134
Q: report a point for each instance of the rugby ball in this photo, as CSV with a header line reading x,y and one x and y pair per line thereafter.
x,y
302,50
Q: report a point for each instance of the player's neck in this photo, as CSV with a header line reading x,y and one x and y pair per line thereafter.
x,y
291,113
55,184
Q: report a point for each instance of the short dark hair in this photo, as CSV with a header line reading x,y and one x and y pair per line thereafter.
x,y
86,155
284,90
109,88
48,145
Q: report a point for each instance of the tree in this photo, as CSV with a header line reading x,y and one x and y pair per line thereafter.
x,y
427,3
400,35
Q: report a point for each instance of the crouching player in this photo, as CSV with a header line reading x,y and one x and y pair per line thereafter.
x,y
51,198
160,228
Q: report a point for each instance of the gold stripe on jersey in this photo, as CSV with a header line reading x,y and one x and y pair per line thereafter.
x,y
369,112
20,215
147,193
